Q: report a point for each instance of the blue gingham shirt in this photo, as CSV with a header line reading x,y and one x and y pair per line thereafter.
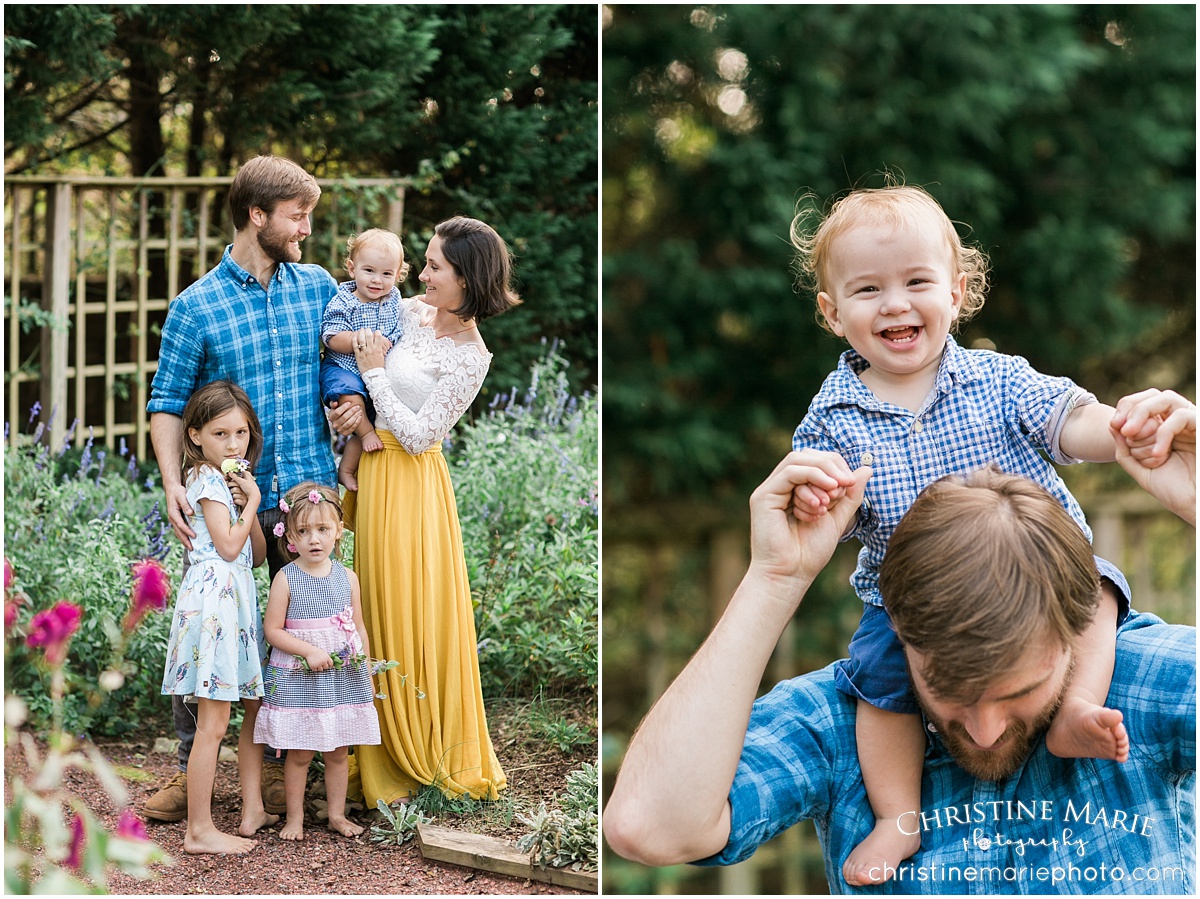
x,y
226,326
346,312
1054,826
984,408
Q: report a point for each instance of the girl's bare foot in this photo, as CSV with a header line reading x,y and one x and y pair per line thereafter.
x,y
344,826
292,830
253,822
1082,729
216,842
874,860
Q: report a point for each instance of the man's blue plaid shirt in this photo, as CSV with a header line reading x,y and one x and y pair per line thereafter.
x,y
226,326
1054,826
985,408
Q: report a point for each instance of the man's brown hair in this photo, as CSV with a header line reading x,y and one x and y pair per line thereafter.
x,y
981,567
267,181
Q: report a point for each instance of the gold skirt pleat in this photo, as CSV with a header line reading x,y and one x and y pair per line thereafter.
x,y
416,600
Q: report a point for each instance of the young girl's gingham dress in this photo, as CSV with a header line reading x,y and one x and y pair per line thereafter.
x,y
318,710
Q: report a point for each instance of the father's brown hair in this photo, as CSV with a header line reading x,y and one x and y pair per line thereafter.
x,y
981,567
266,181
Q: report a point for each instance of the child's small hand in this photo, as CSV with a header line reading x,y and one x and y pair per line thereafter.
x,y
387,344
244,488
809,503
1141,436
318,660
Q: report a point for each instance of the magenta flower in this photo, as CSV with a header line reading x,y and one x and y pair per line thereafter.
x,y
314,496
284,507
131,827
280,529
150,591
10,616
78,840
53,628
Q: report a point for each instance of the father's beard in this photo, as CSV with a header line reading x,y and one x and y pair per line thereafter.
x,y
1014,745
276,244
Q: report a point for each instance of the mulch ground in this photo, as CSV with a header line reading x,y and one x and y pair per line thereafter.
x,y
324,863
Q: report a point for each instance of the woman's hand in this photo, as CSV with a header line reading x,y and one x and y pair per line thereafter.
x,y
370,348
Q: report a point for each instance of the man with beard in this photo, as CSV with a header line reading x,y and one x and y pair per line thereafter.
x,y
989,583
254,319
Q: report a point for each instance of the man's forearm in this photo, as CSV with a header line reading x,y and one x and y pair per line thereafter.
x,y
166,436
670,803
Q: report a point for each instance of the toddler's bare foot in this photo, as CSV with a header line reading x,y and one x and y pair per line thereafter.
x,y
344,826
253,822
292,830
874,860
1082,729
216,842
371,442
348,480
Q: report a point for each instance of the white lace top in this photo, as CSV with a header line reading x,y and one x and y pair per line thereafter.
x,y
426,383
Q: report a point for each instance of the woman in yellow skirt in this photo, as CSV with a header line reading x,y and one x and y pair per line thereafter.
x,y
408,550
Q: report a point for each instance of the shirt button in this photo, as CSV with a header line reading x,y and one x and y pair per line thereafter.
x,y
278,427
868,459
917,427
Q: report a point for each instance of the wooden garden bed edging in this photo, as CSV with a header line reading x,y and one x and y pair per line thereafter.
x,y
496,856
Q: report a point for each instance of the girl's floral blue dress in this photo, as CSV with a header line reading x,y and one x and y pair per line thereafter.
x,y
216,649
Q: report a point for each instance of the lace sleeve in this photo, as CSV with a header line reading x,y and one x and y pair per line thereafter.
x,y
458,384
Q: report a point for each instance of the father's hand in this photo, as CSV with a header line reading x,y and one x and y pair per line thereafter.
x,y
178,512
1174,482
782,544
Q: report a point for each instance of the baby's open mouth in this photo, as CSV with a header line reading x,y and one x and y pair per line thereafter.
x,y
900,335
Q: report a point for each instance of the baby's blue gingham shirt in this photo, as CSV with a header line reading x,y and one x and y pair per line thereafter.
x,y
984,408
346,312
1054,826
226,326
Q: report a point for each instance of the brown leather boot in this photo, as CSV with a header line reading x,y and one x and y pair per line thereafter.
x,y
170,803
273,797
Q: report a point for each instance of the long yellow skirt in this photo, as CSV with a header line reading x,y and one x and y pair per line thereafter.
x,y
416,600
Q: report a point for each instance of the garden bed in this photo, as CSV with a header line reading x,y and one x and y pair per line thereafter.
x,y
324,862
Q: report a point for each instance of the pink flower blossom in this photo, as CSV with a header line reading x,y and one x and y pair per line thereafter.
x,y
78,840
280,529
150,591
131,827
314,496
53,629
345,620
10,616
291,547
284,507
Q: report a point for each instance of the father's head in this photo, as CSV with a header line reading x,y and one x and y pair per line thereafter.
x,y
274,197
989,583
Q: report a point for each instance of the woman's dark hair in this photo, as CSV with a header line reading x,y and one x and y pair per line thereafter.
x,y
482,259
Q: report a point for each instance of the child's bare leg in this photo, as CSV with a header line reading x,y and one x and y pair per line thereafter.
x,y
891,752
337,774
295,779
1083,727
348,467
250,756
202,835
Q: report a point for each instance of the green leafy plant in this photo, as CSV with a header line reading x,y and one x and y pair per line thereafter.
x,y
400,823
568,834
525,477
75,521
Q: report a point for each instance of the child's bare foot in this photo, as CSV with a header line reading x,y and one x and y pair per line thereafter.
x,y
371,442
348,480
874,860
1082,729
253,822
292,830
216,842
344,826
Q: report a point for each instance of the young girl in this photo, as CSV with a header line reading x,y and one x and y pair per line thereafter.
x,y
318,682
216,646
893,279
